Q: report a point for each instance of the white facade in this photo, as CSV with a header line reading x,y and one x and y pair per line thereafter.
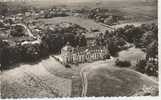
x,y
72,55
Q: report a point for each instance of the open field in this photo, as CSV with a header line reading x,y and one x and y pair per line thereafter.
x,y
106,79
91,24
33,81
55,68
49,78
137,24
132,54
85,23
138,9
112,81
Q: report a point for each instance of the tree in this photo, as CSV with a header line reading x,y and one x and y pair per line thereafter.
x,y
31,52
18,31
3,9
151,69
122,63
3,54
100,39
82,40
140,66
113,47
147,38
147,67
132,33
70,37
54,41
44,49
152,50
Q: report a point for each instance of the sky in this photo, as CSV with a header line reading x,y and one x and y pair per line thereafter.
x,y
64,1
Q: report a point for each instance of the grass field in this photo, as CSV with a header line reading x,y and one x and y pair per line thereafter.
x,y
33,81
137,24
49,78
132,54
105,79
72,74
141,11
85,23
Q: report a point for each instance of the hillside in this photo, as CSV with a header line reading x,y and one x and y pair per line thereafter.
x,y
34,81
108,80
51,79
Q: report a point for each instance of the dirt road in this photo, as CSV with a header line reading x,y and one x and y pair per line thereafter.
x,y
28,31
83,75
103,78
136,24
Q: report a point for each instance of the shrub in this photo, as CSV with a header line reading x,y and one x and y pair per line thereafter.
x,y
18,31
107,56
151,69
67,66
122,63
31,52
10,55
147,67
140,66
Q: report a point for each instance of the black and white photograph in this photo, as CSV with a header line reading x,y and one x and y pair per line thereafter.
x,y
79,48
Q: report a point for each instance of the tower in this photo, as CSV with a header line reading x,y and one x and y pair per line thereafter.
x,y
66,53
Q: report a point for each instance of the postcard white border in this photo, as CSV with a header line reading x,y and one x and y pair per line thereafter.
x,y
121,98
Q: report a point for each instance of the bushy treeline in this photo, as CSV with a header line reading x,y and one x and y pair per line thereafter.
x,y
114,42
147,67
3,8
14,54
144,37
52,42
122,64
54,12
56,37
7,8
105,16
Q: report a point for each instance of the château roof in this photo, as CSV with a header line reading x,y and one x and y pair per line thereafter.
x,y
83,49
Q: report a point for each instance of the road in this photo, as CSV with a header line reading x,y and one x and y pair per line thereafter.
x,y
27,30
83,75
136,24
29,33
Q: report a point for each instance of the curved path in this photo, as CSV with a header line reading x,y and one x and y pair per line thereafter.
x,y
28,31
84,83
105,79
30,34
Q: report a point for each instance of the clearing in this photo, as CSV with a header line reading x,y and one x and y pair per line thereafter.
x,y
109,80
83,22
